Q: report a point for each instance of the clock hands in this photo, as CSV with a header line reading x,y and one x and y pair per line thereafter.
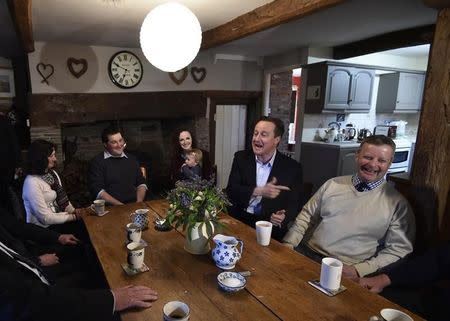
x,y
120,66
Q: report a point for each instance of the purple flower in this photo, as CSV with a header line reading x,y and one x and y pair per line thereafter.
x,y
185,201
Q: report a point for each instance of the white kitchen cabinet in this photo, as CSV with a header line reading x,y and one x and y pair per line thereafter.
x,y
400,92
338,88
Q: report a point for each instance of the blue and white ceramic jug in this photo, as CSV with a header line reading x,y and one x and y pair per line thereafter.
x,y
226,253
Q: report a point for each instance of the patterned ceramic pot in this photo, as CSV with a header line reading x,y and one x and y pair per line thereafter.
x,y
226,253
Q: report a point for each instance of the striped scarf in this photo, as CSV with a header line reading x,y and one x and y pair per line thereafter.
x,y
62,201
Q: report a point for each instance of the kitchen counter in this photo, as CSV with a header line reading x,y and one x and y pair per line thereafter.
x,y
399,142
344,144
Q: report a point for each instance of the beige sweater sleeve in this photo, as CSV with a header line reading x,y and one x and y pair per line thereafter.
x,y
301,224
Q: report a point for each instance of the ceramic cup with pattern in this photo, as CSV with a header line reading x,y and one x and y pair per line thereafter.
x,y
140,217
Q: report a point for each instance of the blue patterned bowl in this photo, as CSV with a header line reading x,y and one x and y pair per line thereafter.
x,y
231,281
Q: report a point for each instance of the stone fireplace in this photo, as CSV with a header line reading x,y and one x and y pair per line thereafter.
x,y
73,122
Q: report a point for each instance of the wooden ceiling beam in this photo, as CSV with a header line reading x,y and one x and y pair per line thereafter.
x,y
393,40
267,16
21,16
437,4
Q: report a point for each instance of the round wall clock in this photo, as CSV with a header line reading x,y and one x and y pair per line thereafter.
x,y
125,69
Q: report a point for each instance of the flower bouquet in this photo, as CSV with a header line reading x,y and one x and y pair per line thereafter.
x,y
195,205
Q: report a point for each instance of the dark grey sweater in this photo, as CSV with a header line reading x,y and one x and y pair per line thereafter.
x,y
118,176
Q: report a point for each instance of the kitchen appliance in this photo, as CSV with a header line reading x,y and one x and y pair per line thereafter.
x,y
349,132
363,133
401,126
402,157
386,130
330,135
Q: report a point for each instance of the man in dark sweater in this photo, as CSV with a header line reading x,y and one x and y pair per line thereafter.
x,y
419,283
113,175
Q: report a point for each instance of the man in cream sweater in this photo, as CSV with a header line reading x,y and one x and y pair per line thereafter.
x,y
361,219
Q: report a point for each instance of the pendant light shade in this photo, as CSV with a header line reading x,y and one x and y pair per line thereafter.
x,y
170,36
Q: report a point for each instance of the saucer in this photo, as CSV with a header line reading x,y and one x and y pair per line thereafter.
x,y
142,242
95,213
316,284
130,271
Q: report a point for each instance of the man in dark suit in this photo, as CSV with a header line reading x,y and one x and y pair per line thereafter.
x,y
420,283
265,184
26,293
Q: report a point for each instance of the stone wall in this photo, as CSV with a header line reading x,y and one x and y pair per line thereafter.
x,y
280,103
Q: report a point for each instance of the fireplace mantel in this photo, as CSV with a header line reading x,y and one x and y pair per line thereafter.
x,y
54,109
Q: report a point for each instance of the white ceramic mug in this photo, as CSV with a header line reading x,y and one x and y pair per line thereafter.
x,y
133,232
140,217
263,232
391,315
135,257
99,207
330,273
176,311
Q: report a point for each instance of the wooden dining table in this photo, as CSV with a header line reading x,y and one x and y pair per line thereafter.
x,y
277,288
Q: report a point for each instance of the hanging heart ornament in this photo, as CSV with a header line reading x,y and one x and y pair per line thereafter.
x,y
179,76
198,74
45,70
73,65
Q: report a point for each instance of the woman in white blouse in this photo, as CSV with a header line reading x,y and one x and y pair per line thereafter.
x,y
45,200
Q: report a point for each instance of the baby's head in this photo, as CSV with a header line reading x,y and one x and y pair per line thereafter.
x,y
194,157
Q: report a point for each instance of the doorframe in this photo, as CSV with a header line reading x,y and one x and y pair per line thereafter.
x,y
253,101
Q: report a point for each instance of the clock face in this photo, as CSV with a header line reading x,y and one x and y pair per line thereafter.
x,y
125,69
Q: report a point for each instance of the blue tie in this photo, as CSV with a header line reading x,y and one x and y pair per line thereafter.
x,y
257,209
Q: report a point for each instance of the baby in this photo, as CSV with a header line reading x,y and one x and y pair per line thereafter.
x,y
191,168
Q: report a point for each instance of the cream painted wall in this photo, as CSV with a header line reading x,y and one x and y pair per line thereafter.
x,y
223,75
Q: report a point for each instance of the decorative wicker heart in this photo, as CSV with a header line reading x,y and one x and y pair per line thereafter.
x,y
198,74
44,72
179,76
71,62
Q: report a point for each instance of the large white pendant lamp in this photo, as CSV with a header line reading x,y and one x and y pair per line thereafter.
x,y
170,36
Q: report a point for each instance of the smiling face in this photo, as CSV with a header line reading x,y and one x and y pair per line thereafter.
x,y
185,140
52,160
115,144
264,141
373,161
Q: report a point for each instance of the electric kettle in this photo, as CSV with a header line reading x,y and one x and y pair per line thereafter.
x,y
349,132
363,133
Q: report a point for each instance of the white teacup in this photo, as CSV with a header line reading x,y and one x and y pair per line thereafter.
x,y
330,273
99,207
391,315
176,311
133,232
263,232
135,257
140,217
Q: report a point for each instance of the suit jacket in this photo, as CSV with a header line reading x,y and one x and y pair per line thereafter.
x,y
242,182
23,296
